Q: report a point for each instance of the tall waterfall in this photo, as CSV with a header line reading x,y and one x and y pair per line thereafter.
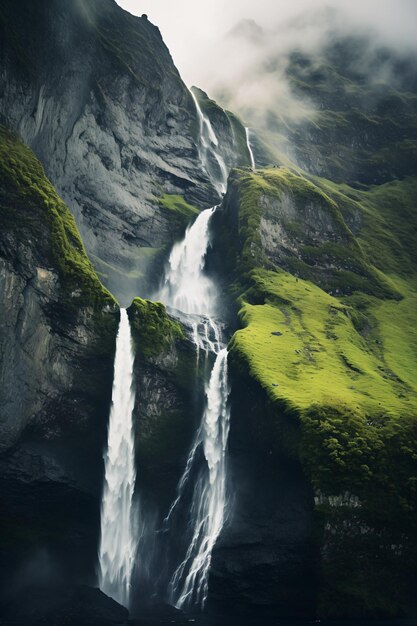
x,y
117,543
209,148
186,288
252,157
189,583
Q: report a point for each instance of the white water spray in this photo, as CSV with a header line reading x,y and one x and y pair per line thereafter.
x,y
252,157
186,288
117,542
189,584
209,147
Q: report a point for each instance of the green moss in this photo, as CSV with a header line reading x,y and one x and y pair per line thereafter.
x,y
31,208
153,330
320,353
179,209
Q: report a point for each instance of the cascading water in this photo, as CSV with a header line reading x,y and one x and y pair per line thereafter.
x,y
189,291
208,147
252,157
186,287
117,542
189,583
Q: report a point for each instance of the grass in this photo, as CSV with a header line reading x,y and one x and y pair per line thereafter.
x,y
179,209
320,357
32,209
154,331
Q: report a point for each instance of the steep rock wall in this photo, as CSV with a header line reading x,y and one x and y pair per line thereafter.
x,y
94,91
57,333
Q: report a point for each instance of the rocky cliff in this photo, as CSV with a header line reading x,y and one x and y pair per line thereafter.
x,y
94,91
322,451
325,278
57,335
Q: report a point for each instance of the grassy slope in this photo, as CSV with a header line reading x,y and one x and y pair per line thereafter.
x,y
179,209
31,208
320,355
344,366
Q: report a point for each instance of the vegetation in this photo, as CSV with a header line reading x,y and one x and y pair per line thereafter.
x,y
179,209
153,330
328,331
31,209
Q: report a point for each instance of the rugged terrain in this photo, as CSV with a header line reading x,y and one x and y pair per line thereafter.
x,y
58,326
94,91
315,253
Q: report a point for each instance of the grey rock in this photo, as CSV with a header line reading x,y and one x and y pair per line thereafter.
x,y
93,90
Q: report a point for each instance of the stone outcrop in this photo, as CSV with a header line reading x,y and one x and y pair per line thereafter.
x,y
94,91
57,334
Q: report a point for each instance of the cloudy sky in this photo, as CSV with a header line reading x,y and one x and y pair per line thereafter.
x,y
194,29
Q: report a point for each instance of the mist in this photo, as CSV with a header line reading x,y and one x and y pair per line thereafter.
x,y
194,31
238,52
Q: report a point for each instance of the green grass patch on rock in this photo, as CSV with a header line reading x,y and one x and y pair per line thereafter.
x,y
31,208
153,330
178,207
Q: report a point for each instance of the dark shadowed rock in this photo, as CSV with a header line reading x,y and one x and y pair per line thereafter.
x,y
73,606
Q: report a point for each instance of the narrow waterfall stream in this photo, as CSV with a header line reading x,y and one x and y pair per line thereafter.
x,y
252,157
117,542
189,583
189,291
208,145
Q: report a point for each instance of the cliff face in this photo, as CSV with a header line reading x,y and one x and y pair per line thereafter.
x,y
57,333
324,401
167,389
93,90
325,278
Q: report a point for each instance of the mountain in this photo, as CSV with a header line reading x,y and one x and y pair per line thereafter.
x,y
57,333
106,158
317,249
94,92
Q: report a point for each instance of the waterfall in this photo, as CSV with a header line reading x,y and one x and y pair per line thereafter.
x,y
117,542
189,291
189,583
209,147
252,158
186,287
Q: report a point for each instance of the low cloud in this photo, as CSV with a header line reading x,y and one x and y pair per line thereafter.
x,y
238,51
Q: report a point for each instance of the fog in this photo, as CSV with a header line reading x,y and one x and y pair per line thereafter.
x,y
194,30
236,51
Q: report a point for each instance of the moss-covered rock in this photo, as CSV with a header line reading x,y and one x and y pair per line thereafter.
x,y
58,327
325,278
153,330
31,208
167,398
